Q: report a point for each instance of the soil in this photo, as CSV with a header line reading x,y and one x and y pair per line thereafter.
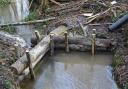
x,y
7,54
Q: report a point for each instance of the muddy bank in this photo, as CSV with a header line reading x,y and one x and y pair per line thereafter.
x,y
7,79
120,62
11,48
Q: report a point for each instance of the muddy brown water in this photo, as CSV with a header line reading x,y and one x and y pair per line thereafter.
x,y
75,70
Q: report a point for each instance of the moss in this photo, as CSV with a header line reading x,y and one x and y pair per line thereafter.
x,y
119,14
8,83
126,86
2,55
41,27
4,2
118,61
31,16
9,29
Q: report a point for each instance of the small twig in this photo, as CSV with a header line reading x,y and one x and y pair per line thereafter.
x,y
92,18
57,3
30,4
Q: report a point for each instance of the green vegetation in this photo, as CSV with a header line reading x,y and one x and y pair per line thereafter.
x,y
118,61
126,86
31,16
9,29
2,55
8,84
4,2
40,27
119,14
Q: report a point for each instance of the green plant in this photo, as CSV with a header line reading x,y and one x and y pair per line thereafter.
x,y
126,86
40,27
4,2
8,83
31,16
9,29
119,14
118,61
2,55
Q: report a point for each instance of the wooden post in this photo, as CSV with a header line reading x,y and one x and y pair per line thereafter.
x,y
17,51
66,42
93,43
30,65
51,44
94,31
37,35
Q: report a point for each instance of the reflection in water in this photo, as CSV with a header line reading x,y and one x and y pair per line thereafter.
x,y
77,70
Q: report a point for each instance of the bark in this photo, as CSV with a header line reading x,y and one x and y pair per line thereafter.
x,y
105,43
37,52
82,48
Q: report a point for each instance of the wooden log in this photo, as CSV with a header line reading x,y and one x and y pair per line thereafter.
x,y
28,22
51,44
17,51
37,34
37,52
26,71
66,42
105,43
80,47
93,43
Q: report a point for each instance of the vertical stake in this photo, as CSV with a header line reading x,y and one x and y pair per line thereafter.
x,y
17,51
93,43
30,65
51,44
94,31
66,42
37,35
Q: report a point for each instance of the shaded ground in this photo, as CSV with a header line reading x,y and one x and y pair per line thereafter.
x,y
7,54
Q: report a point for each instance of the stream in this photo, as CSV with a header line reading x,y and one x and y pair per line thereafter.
x,y
75,70
16,12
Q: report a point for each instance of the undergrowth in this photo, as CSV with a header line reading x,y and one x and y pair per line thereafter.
x,y
31,16
4,2
9,29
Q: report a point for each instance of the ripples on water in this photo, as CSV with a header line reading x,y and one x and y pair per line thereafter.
x,y
76,70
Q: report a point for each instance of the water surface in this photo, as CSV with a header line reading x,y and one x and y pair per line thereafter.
x,y
75,70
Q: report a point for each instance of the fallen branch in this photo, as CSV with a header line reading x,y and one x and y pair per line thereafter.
x,y
28,22
57,3
92,18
